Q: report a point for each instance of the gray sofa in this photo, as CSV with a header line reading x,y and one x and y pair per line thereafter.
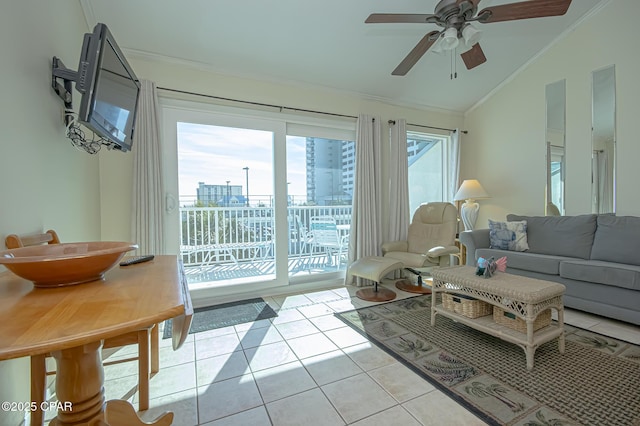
x,y
597,258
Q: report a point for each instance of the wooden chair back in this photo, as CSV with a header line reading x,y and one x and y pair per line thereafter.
x,y
16,241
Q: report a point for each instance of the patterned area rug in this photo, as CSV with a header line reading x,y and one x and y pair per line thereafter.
x,y
226,314
595,382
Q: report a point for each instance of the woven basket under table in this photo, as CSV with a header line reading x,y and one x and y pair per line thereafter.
x,y
502,317
465,305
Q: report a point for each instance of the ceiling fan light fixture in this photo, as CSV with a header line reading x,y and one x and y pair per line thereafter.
x,y
471,35
449,39
437,47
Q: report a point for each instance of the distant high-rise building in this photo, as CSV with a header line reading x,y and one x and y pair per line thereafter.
x,y
331,166
325,171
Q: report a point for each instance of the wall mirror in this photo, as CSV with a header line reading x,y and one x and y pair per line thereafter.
x,y
603,140
555,96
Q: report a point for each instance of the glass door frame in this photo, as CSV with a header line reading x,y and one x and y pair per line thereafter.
x,y
282,124
175,111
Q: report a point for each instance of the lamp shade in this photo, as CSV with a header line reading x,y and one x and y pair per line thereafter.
x,y
471,35
470,190
449,39
437,47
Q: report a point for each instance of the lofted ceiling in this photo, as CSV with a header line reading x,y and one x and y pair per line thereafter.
x,y
326,44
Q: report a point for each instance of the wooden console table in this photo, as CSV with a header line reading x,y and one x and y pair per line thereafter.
x,y
523,297
71,322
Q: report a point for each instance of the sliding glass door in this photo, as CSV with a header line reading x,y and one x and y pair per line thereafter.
x,y
220,220
320,189
246,194
225,197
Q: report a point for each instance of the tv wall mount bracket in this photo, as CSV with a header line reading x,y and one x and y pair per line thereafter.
x,y
64,90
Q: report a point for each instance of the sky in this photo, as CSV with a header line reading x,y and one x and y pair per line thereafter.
x,y
216,154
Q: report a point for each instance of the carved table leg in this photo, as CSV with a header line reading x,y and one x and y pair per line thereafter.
x,y
79,384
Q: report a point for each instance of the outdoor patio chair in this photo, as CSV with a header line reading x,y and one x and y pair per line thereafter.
x,y
326,237
146,339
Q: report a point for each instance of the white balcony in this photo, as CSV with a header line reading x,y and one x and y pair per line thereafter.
x,y
231,243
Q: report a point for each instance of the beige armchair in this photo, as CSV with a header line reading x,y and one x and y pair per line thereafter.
x,y
430,239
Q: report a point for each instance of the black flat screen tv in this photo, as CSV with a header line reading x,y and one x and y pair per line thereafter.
x,y
109,88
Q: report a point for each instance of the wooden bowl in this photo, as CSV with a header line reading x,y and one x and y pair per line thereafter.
x,y
56,265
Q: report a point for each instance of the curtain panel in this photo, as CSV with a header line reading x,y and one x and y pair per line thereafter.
x,y
366,223
147,227
399,214
453,178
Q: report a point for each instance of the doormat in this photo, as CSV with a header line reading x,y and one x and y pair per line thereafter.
x,y
225,315
595,382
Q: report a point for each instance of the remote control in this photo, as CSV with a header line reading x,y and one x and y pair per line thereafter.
x,y
137,259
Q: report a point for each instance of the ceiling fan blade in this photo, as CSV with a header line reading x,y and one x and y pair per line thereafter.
x,y
524,10
390,18
417,53
473,57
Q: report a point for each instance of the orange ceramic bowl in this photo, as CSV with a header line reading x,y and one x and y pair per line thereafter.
x,y
56,265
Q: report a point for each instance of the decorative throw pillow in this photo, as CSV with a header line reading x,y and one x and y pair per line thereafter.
x,y
508,235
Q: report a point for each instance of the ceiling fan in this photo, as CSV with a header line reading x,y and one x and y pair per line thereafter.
x,y
455,17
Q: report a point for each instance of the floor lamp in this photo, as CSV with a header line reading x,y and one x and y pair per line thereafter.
x,y
470,190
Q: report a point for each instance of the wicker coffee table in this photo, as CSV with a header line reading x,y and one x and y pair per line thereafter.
x,y
521,297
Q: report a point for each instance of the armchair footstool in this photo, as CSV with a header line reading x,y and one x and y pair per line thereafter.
x,y
373,268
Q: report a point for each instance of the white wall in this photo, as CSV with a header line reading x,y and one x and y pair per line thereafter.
x,y
45,182
505,145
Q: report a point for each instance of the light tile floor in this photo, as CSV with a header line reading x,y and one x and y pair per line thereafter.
x,y
304,367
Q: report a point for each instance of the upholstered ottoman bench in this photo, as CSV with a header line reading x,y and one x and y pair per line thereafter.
x,y
373,268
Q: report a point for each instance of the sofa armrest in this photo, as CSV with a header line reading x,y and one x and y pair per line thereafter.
x,y
394,246
473,240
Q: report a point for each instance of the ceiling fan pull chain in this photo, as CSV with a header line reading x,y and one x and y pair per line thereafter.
x,y
453,66
454,56
450,65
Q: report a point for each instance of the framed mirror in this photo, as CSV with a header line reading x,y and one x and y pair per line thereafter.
x,y
555,97
603,140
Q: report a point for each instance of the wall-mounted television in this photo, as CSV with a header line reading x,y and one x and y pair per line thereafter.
x,y
108,85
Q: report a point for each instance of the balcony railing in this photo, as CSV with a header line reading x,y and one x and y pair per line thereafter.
x,y
235,235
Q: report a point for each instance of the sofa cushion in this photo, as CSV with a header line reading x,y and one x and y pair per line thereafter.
x,y
508,235
570,236
608,273
617,239
533,262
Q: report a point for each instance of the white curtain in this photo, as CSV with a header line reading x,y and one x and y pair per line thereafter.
x,y
399,214
366,225
453,154
147,216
